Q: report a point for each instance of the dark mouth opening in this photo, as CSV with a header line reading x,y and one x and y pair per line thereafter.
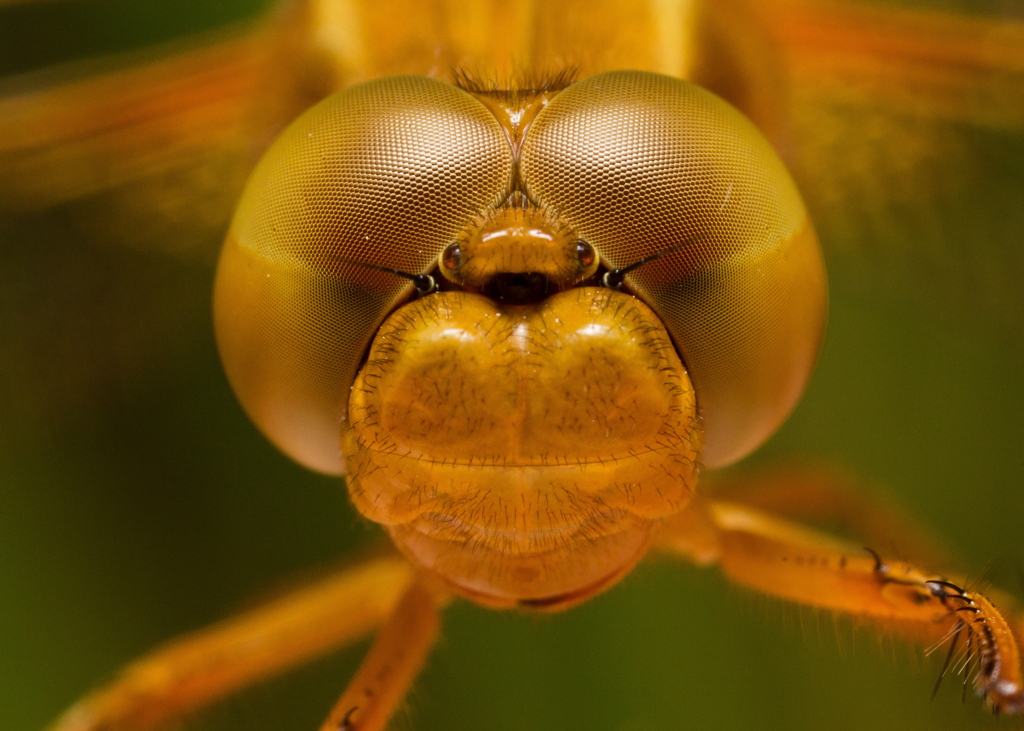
x,y
517,288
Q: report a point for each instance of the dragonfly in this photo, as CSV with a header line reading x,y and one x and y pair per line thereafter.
x,y
936,125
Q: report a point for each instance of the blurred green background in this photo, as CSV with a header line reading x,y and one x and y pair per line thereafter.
x,y
138,502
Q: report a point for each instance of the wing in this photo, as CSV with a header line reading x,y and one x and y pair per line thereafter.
x,y
151,148
908,137
176,128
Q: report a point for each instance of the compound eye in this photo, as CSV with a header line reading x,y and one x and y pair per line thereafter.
x,y
379,177
586,254
637,163
451,257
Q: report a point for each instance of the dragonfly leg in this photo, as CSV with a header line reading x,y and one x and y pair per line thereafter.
x,y
786,560
194,670
827,498
389,669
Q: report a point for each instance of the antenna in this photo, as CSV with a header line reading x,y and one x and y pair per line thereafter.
x,y
425,284
614,278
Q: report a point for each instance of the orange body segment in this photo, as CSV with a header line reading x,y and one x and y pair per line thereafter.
x,y
522,452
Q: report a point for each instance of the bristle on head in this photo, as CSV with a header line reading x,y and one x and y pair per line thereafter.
x,y
518,82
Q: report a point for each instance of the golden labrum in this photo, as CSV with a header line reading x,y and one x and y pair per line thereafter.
x,y
524,453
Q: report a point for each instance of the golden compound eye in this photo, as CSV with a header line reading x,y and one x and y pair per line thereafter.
x,y
376,179
586,253
637,163
451,257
